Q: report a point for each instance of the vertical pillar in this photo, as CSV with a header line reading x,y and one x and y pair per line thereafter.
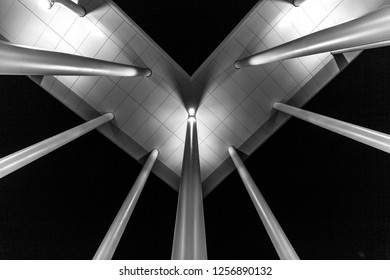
x,y
23,60
77,9
275,232
189,242
297,3
23,157
110,242
361,134
371,28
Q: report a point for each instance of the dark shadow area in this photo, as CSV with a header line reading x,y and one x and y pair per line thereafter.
x,y
341,61
90,6
188,32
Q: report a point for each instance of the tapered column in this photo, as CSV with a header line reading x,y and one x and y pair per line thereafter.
x,y
282,245
23,157
189,242
371,28
110,242
22,60
297,3
363,47
361,134
77,9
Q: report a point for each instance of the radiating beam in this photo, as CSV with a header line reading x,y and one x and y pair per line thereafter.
x,y
363,47
110,242
189,241
297,3
280,241
361,134
23,157
371,28
23,60
77,9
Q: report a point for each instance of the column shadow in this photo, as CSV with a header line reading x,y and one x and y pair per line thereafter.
x,y
90,5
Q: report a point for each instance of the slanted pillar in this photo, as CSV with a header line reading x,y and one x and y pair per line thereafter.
x,y
189,241
282,245
363,47
23,60
297,3
371,28
77,9
23,157
110,242
361,134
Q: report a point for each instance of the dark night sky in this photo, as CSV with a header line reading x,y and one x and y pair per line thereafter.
x,y
330,194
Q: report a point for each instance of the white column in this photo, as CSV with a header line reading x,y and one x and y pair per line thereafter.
x,y
363,47
77,9
110,242
189,241
23,60
23,157
280,241
371,28
297,3
361,134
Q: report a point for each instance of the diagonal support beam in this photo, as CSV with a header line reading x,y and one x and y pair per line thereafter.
x,y
111,240
77,9
23,60
189,241
371,28
280,241
363,47
361,134
23,157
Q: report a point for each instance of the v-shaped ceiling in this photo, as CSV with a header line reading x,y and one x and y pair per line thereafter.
x,y
234,106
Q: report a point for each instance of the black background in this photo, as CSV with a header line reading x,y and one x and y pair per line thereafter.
x,y
330,194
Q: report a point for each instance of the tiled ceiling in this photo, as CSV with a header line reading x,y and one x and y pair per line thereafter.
x,y
234,106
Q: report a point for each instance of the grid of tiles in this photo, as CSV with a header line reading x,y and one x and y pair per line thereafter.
x,y
236,105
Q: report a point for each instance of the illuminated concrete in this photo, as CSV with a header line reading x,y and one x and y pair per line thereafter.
x,y
297,3
280,241
361,134
363,47
22,60
23,157
371,28
110,242
77,9
189,241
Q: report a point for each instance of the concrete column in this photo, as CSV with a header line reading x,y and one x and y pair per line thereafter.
x,y
361,134
110,242
23,60
189,241
297,3
280,241
371,28
23,157
77,9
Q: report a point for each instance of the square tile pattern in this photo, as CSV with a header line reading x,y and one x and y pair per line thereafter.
x,y
236,105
